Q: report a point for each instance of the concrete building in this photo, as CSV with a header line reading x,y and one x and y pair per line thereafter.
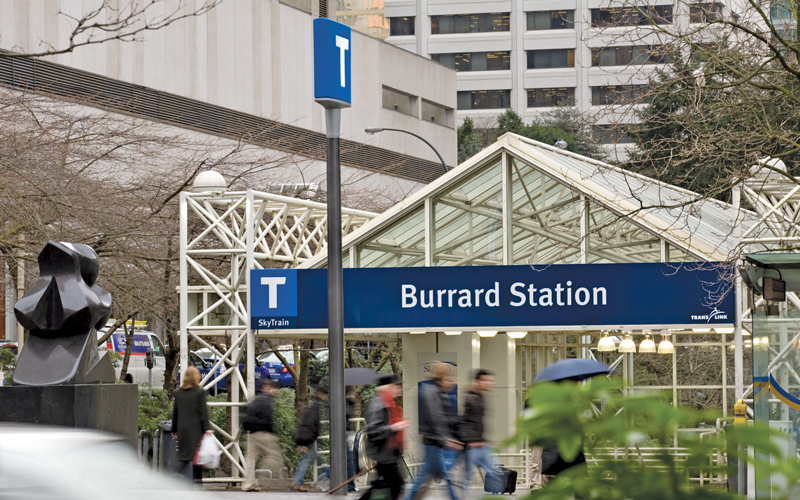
x,y
244,71
528,55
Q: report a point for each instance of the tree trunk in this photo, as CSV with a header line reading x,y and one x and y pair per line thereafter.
x,y
173,350
128,346
301,382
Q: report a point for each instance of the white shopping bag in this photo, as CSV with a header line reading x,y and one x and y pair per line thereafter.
x,y
208,453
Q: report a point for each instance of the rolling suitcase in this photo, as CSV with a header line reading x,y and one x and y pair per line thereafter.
x,y
501,481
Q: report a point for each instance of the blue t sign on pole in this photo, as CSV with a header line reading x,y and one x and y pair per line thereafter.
x,y
332,84
332,50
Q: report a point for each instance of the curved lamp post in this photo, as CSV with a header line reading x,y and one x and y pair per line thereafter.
x,y
375,130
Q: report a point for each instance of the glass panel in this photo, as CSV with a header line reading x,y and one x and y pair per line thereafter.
x,y
616,239
468,221
538,98
447,24
478,61
546,220
464,100
551,58
401,26
402,245
463,24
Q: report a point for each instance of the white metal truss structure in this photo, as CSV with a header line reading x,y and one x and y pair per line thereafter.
x,y
222,236
776,200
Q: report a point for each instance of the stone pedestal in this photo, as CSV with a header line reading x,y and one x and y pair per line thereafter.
x,y
105,407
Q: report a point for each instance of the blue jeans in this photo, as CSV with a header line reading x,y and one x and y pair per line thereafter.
x,y
434,466
351,469
478,457
307,460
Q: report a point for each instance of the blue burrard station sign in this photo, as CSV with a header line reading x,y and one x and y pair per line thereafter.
x,y
497,296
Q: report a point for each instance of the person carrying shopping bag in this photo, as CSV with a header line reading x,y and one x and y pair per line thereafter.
x,y
189,422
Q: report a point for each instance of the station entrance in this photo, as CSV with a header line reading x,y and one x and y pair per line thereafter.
x,y
517,203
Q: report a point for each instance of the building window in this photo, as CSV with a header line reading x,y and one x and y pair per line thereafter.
x,y
704,12
484,99
470,23
474,61
610,134
616,94
436,113
401,26
623,56
551,58
541,98
632,16
551,20
399,101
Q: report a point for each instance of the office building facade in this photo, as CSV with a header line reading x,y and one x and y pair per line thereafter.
x,y
528,55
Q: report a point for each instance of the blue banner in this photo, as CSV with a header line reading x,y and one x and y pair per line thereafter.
x,y
497,296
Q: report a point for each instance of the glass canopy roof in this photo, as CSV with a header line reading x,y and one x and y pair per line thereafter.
x,y
523,202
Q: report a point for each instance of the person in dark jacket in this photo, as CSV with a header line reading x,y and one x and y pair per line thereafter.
x,y
258,422
472,427
436,427
307,434
189,422
385,436
351,434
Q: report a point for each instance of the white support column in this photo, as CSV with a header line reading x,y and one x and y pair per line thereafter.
x,y
508,229
184,284
584,230
429,232
249,222
738,344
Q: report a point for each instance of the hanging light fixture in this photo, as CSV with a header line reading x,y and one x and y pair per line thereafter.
x,y
606,344
647,345
517,335
627,345
452,333
665,346
486,333
417,333
720,329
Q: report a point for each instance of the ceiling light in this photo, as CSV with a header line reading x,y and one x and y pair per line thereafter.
x,y
665,346
517,335
606,344
417,333
452,333
487,333
701,330
726,330
627,345
647,345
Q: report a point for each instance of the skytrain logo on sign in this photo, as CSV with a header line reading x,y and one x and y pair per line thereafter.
x,y
332,50
273,292
504,296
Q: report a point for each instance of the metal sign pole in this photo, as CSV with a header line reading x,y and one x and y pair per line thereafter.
x,y
338,451
332,89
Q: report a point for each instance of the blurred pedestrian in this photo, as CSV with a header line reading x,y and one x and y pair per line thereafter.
x,y
351,439
307,434
261,439
385,435
472,426
189,422
436,427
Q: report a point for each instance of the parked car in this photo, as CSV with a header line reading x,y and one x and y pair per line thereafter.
x,y
278,371
38,461
260,372
137,370
10,344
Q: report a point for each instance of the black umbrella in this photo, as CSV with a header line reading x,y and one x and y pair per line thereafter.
x,y
572,369
360,376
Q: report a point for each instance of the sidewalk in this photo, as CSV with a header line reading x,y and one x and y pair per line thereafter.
x,y
219,493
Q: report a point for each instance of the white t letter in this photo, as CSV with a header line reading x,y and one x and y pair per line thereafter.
x,y
273,289
343,44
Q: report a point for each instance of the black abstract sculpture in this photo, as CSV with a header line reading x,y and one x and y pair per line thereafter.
x,y
62,311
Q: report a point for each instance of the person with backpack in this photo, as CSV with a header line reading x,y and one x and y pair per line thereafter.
x,y
436,424
307,434
261,440
385,435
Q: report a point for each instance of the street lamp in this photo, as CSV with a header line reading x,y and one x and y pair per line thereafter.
x,y
375,130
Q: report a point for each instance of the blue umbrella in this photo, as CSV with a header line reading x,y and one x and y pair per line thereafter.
x,y
572,369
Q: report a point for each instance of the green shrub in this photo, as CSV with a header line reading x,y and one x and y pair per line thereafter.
x,y
152,409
